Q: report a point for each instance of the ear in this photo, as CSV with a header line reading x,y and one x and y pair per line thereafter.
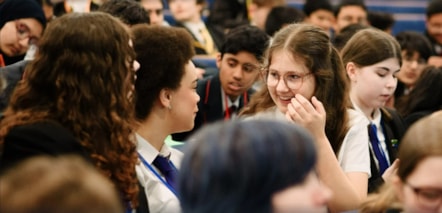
x,y
218,60
351,70
166,98
398,187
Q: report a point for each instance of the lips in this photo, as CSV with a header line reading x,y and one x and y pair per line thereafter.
x,y
234,86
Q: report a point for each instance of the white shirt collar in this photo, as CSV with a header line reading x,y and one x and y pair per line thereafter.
x,y
149,152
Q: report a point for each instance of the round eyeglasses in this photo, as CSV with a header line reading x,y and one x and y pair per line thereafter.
x,y
292,80
23,32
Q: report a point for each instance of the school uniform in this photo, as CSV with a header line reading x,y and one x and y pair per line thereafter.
x,y
198,40
213,105
162,197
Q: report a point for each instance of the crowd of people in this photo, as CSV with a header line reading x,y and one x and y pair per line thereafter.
x,y
319,109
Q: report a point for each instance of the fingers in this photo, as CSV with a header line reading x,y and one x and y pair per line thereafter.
x,y
318,106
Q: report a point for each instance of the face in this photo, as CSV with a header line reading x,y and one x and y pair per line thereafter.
x,y
185,10
284,65
434,27
237,72
310,196
412,67
427,193
184,101
16,36
155,10
373,85
350,15
322,18
259,15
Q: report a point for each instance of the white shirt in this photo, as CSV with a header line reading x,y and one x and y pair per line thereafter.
x,y
229,103
159,196
195,29
354,155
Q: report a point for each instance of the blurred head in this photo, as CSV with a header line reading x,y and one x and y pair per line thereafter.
x,y
381,20
52,185
302,60
240,58
128,11
434,20
166,80
416,49
282,16
237,165
81,77
21,25
155,9
319,13
418,184
259,9
350,12
186,10
372,58
346,33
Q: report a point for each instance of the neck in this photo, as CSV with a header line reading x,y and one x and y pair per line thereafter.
x,y
154,131
368,111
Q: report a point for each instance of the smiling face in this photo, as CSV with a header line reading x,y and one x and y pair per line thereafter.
x,y
17,35
372,86
284,64
184,101
237,72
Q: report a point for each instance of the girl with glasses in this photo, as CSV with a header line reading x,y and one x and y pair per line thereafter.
x,y
305,84
21,25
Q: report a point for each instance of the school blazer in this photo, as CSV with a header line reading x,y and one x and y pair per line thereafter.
x,y
394,129
210,106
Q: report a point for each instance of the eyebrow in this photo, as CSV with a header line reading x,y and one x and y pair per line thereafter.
x,y
388,70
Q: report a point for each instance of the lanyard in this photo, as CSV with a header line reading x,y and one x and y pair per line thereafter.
x,y
157,174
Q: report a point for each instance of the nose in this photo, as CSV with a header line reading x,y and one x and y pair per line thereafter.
x,y
414,64
392,82
237,73
281,86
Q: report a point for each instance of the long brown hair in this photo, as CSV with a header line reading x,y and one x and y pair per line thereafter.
x,y
312,45
81,78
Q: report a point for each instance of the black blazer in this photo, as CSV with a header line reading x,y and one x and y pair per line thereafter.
x,y
210,105
46,138
394,128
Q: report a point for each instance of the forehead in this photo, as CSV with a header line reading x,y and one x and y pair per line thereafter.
x,y
34,26
242,57
352,10
152,3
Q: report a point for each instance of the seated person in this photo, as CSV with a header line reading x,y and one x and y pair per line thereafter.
x,y
238,63
320,13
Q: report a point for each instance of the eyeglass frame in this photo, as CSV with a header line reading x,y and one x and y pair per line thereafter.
x,y
25,33
418,192
265,75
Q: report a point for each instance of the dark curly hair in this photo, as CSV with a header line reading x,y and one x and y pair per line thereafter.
x,y
81,78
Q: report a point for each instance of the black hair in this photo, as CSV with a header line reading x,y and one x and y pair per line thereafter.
x,y
128,11
380,20
280,16
434,7
239,165
312,6
345,3
411,41
346,33
245,38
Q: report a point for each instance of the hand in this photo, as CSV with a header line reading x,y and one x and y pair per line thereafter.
x,y
391,171
310,115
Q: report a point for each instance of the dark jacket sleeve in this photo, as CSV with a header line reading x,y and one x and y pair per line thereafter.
x,y
42,138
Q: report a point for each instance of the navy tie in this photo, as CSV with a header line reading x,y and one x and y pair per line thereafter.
x,y
377,149
169,172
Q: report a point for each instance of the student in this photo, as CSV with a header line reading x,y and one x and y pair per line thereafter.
x,y
187,14
243,170
129,12
228,14
416,186
306,84
415,50
57,184
372,58
259,9
320,13
346,33
21,25
381,20
224,94
350,12
425,98
166,103
433,30
155,9
75,99
63,7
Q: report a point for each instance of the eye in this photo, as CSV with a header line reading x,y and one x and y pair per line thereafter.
x,y
430,194
274,74
248,68
232,64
